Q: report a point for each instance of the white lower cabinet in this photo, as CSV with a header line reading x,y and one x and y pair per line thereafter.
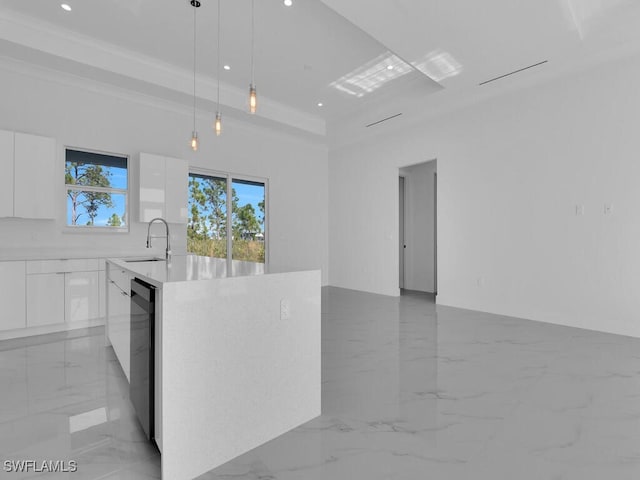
x,y
45,294
50,293
102,289
81,296
12,295
119,315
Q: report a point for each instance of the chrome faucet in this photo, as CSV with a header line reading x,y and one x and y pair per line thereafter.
x,y
168,251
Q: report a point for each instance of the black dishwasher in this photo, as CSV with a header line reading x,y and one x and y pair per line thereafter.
x,y
141,385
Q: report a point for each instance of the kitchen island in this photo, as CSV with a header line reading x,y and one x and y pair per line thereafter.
x,y
237,356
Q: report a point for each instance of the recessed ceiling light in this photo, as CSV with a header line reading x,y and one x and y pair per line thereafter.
x,y
288,3
320,104
389,67
227,67
65,7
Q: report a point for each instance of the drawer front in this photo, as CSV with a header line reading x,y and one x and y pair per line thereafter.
x,y
120,277
63,266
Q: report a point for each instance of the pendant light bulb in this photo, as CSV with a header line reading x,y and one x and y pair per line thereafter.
x,y
253,99
194,141
218,124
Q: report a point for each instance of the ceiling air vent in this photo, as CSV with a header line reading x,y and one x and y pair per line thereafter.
x,y
383,120
514,72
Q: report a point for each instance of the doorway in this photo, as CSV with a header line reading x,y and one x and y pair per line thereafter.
x,y
417,245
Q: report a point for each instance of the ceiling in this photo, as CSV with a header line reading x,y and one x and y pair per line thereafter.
x,y
364,60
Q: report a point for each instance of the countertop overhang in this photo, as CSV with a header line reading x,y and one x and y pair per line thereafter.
x,y
184,268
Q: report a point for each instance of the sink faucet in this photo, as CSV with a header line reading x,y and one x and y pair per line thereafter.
x,y
168,251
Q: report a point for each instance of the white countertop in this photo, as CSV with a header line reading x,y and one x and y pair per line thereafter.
x,y
57,253
181,268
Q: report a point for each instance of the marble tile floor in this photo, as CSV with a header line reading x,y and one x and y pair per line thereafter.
x,y
410,390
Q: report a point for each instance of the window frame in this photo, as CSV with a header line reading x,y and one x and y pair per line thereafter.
x,y
230,177
126,192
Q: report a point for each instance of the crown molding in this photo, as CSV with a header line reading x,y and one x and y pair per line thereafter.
x,y
205,111
81,51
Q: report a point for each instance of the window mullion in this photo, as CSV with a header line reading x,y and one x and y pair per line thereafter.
x,y
87,188
229,224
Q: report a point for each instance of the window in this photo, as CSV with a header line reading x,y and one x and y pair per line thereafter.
x,y
97,190
211,216
207,224
247,220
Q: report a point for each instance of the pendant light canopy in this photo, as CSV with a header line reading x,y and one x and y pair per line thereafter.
x,y
253,96
194,134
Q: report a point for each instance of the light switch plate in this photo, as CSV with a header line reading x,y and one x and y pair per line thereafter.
x,y
608,208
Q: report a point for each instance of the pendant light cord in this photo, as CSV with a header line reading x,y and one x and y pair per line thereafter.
x,y
194,68
218,67
252,37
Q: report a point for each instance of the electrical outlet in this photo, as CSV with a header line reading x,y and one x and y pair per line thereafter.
x,y
285,309
579,210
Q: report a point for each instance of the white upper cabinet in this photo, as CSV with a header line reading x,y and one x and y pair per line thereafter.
x,y
176,190
164,183
28,186
6,178
152,191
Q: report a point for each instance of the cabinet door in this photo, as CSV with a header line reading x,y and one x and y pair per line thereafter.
x,y
12,295
81,296
102,297
35,178
118,323
45,299
6,179
176,190
152,194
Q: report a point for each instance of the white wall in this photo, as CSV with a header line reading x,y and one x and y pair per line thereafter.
x,y
419,217
94,117
510,172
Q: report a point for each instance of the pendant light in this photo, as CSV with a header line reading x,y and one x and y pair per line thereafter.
x,y
218,122
194,135
253,98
